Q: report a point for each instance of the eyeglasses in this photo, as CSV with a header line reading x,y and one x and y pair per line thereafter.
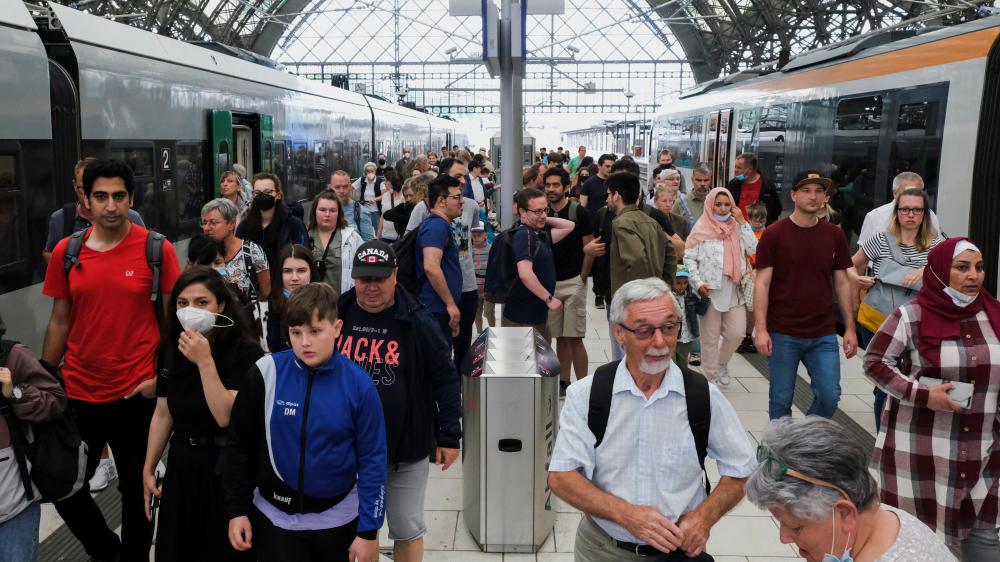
x,y
537,212
910,210
646,332
777,470
455,197
213,223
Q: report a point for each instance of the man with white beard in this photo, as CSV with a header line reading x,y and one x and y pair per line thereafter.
x,y
623,455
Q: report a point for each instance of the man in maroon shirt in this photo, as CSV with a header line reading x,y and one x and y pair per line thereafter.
x,y
797,258
749,186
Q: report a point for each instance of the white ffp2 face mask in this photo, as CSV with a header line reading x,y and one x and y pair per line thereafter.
x,y
200,320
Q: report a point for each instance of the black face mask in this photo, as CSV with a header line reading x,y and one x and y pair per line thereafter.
x,y
263,202
381,161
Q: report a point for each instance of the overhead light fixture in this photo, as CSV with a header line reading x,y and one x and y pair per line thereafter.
x,y
629,94
572,48
451,50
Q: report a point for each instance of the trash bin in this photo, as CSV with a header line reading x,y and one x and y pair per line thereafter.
x,y
511,415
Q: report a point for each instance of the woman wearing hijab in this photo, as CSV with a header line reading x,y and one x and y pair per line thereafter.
x,y
716,257
938,358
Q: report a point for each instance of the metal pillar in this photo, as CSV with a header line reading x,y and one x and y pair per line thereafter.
x,y
511,115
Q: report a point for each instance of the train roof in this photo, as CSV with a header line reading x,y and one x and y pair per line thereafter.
x,y
858,48
13,13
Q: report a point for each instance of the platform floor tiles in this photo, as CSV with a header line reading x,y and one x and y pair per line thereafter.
x,y
744,535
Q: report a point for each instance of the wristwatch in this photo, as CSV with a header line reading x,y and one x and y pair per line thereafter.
x,y
549,298
18,393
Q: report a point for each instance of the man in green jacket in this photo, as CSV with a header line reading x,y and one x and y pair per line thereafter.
x,y
639,247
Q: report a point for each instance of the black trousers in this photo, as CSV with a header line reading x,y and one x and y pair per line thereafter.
x,y
193,523
273,544
462,342
124,426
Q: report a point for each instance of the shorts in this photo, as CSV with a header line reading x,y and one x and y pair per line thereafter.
x,y
543,329
405,491
570,321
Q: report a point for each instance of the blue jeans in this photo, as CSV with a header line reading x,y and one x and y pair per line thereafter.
x,y
821,356
19,536
617,354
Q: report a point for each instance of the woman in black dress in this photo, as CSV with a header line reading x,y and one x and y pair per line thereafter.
x,y
205,352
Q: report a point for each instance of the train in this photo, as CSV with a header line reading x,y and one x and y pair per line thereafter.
x,y
860,112
74,85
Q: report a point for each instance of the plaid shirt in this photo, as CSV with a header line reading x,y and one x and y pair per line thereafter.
x,y
939,466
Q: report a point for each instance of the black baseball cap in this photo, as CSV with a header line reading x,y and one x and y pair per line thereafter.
x,y
375,258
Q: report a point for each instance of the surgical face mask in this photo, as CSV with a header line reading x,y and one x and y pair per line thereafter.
x,y
406,155
722,218
370,176
200,320
221,271
846,557
286,293
264,202
741,177
960,299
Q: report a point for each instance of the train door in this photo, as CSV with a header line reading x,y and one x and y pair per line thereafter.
x,y
267,143
717,137
244,148
222,146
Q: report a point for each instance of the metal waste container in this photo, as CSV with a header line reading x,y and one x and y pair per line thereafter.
x,y
511,415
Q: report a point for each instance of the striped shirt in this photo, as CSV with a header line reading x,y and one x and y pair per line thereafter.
x,y
480,257
942,467
877,250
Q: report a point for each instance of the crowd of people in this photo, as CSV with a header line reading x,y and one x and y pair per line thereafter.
x,y
284,394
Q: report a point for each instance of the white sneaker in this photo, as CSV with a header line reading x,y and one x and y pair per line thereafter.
x,y
103,476
724,378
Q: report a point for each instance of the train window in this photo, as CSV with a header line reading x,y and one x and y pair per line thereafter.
x,y
859,114
140,160
916,146
770,143
8,171
299,172
745,135
190,191
855,160
12,247
222,156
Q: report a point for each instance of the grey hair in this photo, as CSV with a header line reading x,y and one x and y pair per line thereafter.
x,y
669,173
819,448
702,168
225,207
640,290
907,178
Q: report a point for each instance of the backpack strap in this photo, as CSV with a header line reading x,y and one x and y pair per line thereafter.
x,y
69,218
71,258
894,250
696,393
154,257
600,400
17,440
699,411
251,273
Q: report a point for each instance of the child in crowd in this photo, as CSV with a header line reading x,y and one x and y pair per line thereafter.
x,y
480,256
307,491
757,216
691,307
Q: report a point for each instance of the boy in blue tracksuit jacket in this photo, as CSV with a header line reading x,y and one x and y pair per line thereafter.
x,y
305,460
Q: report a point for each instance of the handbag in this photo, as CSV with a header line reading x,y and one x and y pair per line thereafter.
x,y
746,286
888,292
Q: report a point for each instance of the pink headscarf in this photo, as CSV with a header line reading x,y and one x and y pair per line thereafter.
x,y
707,228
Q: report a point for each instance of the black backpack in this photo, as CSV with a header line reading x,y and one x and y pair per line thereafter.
x,y
154,257
406,249
56,451
500,271
406,261
699,409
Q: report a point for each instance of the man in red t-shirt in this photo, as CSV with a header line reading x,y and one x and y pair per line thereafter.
x,y
104,327
797,257
749,187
